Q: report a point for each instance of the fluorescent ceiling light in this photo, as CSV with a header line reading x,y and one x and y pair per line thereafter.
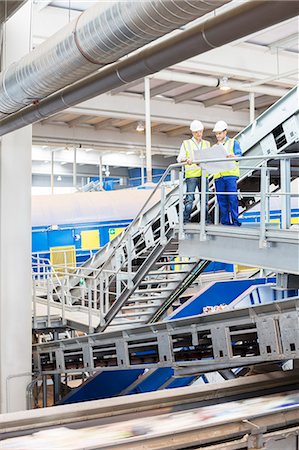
x,y
224,84
140,126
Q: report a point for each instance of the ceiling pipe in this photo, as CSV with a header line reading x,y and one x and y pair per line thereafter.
x,y
181,77
243,20
96,38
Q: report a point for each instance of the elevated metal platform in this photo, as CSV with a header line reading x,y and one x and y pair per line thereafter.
x,y
276,250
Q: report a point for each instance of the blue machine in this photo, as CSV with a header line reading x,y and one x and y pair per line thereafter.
x,y
83,221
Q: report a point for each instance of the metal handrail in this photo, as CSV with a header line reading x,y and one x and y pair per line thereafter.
x,y
126,232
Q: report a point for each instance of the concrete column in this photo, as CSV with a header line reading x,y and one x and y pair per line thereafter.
x,y
15,239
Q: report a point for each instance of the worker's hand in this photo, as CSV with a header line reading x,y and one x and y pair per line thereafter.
x,y
189,161
230,156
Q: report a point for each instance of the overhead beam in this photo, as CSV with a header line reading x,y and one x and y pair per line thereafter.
x,y
163,110
202,80
264,100
126,86
129,126
222,98
104,123
192,94
178,131
253,16
79,120
165,87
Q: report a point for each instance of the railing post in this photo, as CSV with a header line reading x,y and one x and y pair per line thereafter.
x,y
48,302
172,176
102,312
268,198
63,300
162,218
262,240
34,300
181,204
285,185
129,266
106,298
89,293
95,293
203,197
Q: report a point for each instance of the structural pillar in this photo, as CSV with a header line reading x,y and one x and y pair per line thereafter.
x,y
251,107
15,238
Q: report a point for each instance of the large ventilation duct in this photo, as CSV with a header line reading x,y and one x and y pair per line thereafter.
x,y
241,21
95,39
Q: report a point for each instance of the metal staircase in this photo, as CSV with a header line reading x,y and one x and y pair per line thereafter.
x,y
135,278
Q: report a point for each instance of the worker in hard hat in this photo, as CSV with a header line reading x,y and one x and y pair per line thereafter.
x,y
227,181
189,152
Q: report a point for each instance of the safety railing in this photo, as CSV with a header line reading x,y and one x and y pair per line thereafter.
x,y
100,289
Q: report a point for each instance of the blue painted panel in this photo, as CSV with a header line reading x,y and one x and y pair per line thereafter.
x,y
220,292
153,381
181,382
40,241
102,385
58,238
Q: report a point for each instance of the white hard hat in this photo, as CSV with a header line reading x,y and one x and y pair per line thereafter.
x,y
196,125
220,126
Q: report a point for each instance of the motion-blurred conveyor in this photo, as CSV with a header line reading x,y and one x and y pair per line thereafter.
x,y
133,275
256,412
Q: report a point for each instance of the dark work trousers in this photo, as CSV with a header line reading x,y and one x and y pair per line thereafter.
x,y
228,204
191,185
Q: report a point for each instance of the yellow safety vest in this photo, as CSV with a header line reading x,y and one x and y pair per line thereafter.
x,y
193,170
229,145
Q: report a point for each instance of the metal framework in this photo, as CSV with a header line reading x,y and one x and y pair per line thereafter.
x,y
197,344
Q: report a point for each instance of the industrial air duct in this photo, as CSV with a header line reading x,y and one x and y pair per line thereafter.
x,y
241,21
93,40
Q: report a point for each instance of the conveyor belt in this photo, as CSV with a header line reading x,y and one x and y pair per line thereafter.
x,y
166,420
197,344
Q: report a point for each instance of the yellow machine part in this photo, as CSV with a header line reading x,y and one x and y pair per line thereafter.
x,y
113,232
63,258
90,239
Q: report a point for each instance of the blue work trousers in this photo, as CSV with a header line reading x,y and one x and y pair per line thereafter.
x,y
228,203
192,184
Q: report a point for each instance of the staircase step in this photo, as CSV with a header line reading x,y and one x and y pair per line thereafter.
x,y
145,291
167,272
146,299
157,281
171,263
144,306
139,314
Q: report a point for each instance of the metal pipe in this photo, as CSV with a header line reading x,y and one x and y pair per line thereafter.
x,y
94,39
101,172
251,107
148,130
203,80
243,20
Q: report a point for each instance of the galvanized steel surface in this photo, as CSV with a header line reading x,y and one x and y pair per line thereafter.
x,y
94,39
